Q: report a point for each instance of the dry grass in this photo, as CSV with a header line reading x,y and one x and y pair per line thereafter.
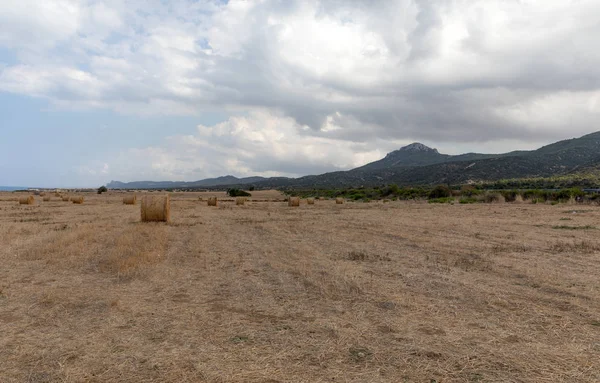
x,y
359,293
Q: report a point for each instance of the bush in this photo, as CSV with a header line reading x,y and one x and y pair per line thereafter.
x,y
440,191
538,195
469,191
102,189
238,193
466,200
493,197
441,200
566,194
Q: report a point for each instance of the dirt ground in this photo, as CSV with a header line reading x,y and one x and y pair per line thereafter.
x,y
360,292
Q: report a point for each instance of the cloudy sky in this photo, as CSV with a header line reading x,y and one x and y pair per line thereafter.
x,y
100,90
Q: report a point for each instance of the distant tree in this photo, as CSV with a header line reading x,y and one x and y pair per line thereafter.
x,y
102,189
440,191
238,193
251,188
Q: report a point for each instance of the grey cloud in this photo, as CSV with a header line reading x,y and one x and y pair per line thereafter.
x,y
422,85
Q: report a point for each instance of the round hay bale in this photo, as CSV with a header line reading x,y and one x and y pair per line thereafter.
x,y
130,200
240,200
77,200
156,209
212,201
294,201
66,198
310,201
47,198
42,194
200,199
29,200
339,201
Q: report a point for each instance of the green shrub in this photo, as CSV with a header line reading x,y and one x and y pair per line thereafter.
x,y
102,189
238,193
466,200
440,191
510,195
566,194
469,191
442,200
539,195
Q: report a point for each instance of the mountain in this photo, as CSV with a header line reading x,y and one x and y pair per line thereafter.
x,y
417,154
419,165
209,182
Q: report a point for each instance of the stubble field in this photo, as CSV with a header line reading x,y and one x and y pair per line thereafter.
x,y
360,292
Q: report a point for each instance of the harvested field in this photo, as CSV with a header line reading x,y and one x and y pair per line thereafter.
x,y
394,292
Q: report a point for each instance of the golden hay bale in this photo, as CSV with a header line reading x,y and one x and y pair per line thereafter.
x,y
47,198
66,198
310,201
130,200
156,209
57,194
42,194
339,201
294,201
26,200
240,200
212,201
200,199
78,200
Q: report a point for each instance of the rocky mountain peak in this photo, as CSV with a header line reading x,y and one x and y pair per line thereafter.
x,y
418,147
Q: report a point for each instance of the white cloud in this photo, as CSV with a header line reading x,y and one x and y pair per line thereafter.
x,y
257,144
39,25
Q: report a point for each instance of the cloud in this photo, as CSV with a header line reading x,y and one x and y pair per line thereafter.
x,y
257,144
473,72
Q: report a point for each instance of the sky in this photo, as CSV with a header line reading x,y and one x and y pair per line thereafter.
x,y
100,90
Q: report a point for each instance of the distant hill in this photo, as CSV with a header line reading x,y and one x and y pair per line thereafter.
x,y
209,182
419,165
